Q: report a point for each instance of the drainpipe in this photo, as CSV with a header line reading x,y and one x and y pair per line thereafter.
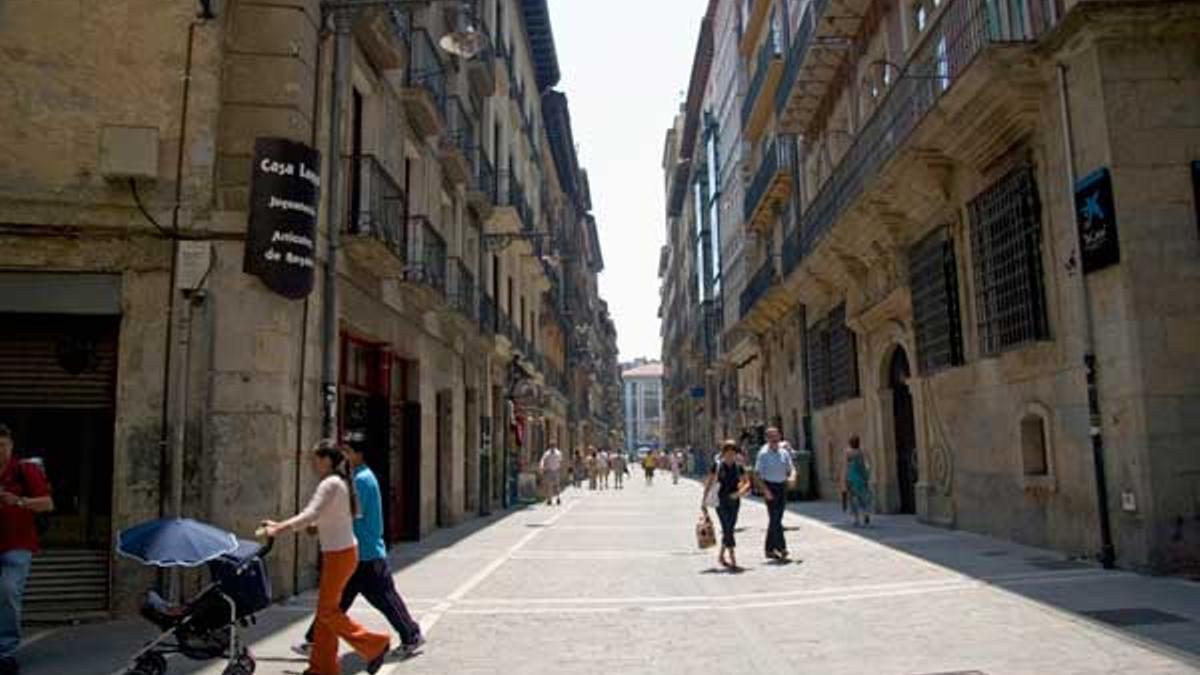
x,y
329,327
1107,553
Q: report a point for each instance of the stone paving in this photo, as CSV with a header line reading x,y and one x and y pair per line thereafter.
x,y
611,582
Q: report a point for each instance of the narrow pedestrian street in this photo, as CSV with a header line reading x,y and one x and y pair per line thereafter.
x,y
612,582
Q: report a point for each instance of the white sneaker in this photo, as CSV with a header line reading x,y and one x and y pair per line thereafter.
x,y
302,649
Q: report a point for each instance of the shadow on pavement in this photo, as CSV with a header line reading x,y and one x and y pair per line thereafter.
x,y
104,648
1162,613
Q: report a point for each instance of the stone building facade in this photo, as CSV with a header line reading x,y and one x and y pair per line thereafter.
x,y
952,211
129,148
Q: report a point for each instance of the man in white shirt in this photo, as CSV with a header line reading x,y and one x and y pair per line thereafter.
x,y
774,469
602,468
550,466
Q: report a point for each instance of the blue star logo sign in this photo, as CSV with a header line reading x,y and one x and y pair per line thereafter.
x,y
1092,210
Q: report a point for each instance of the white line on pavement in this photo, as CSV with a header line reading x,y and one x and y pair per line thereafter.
x,y
431,619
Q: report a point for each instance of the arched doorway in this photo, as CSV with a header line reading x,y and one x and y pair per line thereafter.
x,y
905,431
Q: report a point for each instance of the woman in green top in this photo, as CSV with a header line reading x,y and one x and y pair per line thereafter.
x,y
856,482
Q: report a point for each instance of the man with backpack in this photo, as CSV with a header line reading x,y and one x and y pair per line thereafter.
x,y
24,492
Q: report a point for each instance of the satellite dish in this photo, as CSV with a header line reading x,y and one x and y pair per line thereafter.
x,y
466,44
465,41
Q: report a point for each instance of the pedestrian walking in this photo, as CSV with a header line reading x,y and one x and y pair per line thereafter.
x,y
676,462
550,466
856,483
331,509
648,463
602,468
774,469
590,464
24,492
729,479
619,469
372,577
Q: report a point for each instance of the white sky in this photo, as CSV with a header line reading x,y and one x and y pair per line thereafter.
x,y
625,66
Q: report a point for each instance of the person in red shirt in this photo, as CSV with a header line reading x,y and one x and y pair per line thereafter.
x,y
23,493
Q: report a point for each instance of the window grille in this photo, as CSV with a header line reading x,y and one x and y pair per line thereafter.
x,y
933,280
1006,237
832,361
843,357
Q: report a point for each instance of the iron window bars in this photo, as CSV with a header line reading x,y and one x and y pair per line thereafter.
x,y
1006,237
832,360
933,280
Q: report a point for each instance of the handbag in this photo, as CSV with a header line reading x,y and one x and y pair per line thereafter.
x,y
705,536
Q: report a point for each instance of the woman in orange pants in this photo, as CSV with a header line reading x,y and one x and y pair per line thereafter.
x,y
331,510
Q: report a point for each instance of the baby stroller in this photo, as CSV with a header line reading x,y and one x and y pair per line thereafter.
x,y
209,625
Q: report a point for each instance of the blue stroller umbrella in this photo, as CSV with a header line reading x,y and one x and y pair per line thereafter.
x,y
175,542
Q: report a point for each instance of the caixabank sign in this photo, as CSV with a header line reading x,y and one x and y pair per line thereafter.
x,y
285,188
1097,221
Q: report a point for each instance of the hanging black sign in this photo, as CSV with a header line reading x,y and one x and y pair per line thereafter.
x,y
1097,221
284,189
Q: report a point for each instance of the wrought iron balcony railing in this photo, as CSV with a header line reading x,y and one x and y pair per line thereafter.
x,y
759,284
964,30
483,174
461,289
460,131
800,44
771,49
426,261
487,312
377,204
511,193
776,165
425,69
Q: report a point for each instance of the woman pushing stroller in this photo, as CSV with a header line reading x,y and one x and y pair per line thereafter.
x,y
331,509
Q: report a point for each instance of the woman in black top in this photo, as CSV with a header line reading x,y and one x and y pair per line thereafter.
x,y
731,484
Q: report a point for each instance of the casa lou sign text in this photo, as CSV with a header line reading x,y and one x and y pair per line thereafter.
x,y
284,192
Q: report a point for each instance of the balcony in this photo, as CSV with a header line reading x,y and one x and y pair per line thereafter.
x,y
376,216
481,190
487,313
481,71
425,264
754,15
757,287
460,290
513,213
424,92
941,74
759,101
383,36
457,141
771,187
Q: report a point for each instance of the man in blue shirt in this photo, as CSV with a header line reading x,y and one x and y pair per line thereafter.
x,y
775,470
373,577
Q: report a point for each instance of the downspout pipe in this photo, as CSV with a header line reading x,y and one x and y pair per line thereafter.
x,y
329,320
1107,552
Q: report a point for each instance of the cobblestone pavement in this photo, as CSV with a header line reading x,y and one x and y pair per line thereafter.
x,y
611,582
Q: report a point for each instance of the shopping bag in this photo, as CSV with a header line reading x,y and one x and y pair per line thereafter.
x,y
705,536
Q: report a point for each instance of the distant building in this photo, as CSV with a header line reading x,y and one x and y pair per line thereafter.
x,y
643,405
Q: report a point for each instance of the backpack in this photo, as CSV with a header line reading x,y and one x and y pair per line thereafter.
x,y
41,521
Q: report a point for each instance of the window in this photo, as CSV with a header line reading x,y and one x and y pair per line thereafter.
x,y
704,254
1006,237
933,280
920,16
832,361
1034,460
714,203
